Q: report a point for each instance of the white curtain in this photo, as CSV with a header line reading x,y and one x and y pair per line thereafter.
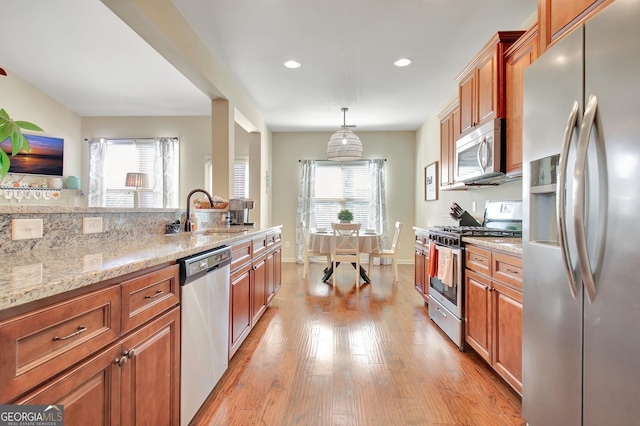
x,y
306,202
97,173
165,170
377,202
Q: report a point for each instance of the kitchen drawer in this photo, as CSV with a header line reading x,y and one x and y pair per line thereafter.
x,y
273,239
42,343
259,244
240,254
507,269
149,295
478,260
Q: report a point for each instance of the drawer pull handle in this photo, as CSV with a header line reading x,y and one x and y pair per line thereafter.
x,y
511,271
81,329
158,293
441,313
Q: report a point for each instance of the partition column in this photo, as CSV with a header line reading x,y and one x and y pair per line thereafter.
x,y
222,149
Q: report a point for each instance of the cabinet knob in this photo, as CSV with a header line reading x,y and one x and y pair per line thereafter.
x,y
120,361
130,353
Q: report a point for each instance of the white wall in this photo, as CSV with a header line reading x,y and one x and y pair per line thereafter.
x,y
24,102
397,147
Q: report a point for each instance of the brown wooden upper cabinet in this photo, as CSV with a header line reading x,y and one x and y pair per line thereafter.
x,y
556,18
449,131
482,83
518,57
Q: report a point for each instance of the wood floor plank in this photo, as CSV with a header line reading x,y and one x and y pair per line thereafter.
x,y
324,355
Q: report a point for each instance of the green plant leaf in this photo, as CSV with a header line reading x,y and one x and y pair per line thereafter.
x,y
5,132
18,142
4,115
4,163
28,126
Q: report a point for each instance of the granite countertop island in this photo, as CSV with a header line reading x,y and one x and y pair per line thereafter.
x,y
40,273
508,245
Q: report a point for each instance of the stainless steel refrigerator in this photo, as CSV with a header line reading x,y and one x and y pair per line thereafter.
x,y
581,226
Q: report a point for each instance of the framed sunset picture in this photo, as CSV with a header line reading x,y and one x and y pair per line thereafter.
x,y
45,156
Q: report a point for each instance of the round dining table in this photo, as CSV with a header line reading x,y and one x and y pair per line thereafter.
x,y
321,242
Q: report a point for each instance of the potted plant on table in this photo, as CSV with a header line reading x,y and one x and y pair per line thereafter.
x,y
345,216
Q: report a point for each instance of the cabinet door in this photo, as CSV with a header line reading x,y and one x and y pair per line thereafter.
x,y
446,162
519,57
507,334
467,98
419,268
150,393
89,392
486,84
558,18
258,289
271,278
277,270
240,308
477,306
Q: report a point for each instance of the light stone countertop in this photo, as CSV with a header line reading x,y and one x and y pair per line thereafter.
x,y
508,245
41,273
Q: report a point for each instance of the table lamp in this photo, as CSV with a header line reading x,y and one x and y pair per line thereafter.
x,y
137,180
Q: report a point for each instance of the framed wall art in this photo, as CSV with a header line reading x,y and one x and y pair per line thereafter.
x,y
431,182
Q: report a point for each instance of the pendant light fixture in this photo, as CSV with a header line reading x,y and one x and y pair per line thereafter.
x,y
344,145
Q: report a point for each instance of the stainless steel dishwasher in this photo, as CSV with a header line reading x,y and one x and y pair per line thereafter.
x,y
204,289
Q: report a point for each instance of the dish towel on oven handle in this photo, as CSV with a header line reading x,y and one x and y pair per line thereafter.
x,y
433,261
445,266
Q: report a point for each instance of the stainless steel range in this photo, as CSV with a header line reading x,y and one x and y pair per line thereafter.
x,y
446,274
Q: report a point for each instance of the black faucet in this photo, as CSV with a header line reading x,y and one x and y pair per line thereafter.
x,y
187,220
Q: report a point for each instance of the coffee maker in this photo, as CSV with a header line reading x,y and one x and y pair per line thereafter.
x,y
239,211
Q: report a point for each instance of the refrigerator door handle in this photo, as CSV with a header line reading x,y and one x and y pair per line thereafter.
x,y
579,182
562,198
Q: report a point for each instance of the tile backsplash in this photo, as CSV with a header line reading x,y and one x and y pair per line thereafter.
x,y
63,227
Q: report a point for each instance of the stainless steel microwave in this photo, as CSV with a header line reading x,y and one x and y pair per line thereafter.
x,y
479,153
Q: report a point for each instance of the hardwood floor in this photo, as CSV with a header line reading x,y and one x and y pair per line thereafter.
x,y
324,356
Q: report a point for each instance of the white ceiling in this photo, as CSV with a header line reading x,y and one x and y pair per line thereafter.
x,y
86,58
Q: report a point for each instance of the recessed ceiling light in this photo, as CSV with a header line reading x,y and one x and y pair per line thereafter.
x,y
402,62
292,64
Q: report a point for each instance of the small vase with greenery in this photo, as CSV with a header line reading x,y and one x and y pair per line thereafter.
x,y
345,216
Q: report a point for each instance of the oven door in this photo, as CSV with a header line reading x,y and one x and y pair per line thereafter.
x,y
450,297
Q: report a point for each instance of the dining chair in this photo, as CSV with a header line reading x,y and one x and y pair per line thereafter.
x,y
307,253
345,247
391,253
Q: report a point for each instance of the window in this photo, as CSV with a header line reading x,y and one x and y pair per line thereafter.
x,y
341,186
241,178
112,159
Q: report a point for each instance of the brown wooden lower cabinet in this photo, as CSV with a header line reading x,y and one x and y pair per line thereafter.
x,y
259,284
255,279
240,309
421,262
89,392
493,310
133,382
